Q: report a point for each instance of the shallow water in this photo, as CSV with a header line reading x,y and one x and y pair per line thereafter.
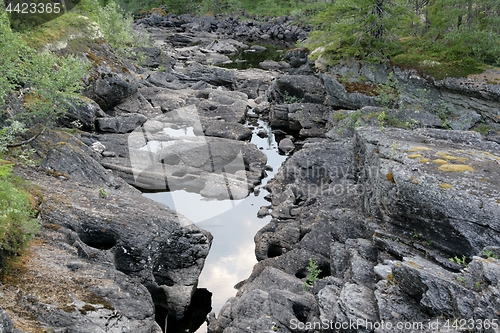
x,y
246,59
233,225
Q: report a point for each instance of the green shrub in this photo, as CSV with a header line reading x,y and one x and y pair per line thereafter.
x,y
116,25
314,273
17,223
8,133
46,81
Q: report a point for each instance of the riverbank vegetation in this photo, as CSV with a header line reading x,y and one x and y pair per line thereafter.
x,y
437,37
440,38
36,86
18,224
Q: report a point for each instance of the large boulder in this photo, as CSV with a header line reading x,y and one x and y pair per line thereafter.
x,y
210,74
297,88
82,114
309,119
232,131
65,155
111,80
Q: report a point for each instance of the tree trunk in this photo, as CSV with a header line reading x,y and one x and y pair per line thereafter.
x,y
469,13
377,29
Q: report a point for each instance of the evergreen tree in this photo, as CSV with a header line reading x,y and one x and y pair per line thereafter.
x,y
361,28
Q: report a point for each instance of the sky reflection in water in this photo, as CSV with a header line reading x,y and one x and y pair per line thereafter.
x,y
233,225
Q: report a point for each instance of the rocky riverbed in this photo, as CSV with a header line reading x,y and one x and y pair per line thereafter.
x,y
383,185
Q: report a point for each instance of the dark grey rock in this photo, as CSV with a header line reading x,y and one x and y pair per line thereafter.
x,y
297,57
339,97
232,131
270,64
145,240
111,81
395,306
136,103
63,154
153,57
411,179
62,291
282,301
297,88
82,114
258,48
437,289
121,124
5,322
286,145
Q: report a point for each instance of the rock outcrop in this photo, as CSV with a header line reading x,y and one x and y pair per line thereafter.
x,y
461,103
380,214
97,228
280,28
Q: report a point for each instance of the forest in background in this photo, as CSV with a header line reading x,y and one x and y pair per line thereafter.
x,y
437,37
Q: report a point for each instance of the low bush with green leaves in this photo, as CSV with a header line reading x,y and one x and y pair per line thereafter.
x,y
314,272
18,225
42,80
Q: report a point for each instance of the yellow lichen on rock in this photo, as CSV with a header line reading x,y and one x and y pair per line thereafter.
x,y
445,185
456,168
449,157
415,156
424,160
439,161
390,177
416,149
413,180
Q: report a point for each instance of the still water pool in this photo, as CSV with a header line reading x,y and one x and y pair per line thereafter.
x,y
232,223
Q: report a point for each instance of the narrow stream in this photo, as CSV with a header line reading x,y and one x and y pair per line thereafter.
x,y
232,223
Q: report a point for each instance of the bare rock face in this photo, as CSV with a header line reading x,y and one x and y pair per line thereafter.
x,y
145,240
421,183
63,290
83,114
101,220
461,102
67,156
380,215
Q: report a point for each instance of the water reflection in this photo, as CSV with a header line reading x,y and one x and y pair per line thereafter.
x,y
232,255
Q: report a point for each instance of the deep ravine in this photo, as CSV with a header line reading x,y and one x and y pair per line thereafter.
x,y
232,223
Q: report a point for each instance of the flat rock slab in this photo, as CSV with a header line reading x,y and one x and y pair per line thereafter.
x,y
121,124
232,131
